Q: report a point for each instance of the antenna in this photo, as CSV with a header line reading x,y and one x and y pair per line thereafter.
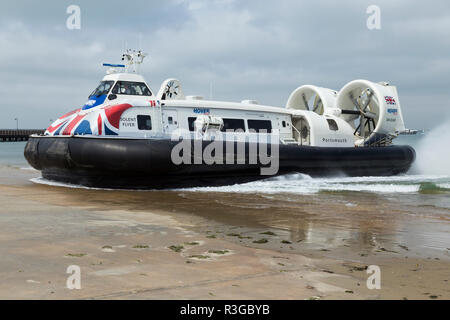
x,y
133,58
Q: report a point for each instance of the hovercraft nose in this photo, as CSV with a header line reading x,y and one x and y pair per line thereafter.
x,y
31,153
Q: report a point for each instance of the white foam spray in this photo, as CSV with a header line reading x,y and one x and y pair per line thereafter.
x,y
433,151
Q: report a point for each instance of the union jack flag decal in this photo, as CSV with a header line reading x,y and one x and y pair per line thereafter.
x,y
390,100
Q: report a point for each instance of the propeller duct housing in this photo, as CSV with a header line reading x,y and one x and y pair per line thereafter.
x,y
373,109
170,90
312,98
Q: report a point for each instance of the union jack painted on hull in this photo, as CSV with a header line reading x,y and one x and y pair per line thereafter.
x,y
101,121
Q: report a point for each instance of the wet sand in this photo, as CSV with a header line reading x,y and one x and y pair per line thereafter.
x,y
192,245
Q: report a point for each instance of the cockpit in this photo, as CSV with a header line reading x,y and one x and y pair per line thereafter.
x,y
111,89
131,88
103,88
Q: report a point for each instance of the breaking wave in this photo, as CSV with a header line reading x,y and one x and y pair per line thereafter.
x,y
304,184
433,151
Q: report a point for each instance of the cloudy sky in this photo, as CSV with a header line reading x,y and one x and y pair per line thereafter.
x,y
250,49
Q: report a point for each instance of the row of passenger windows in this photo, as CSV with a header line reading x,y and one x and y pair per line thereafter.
x,y
145,123
239,124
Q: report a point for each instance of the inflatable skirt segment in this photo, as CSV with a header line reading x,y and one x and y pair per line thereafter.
x,y
147,163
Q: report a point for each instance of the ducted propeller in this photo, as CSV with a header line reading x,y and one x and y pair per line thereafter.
x,y
312,98
317,104
171,89
362,111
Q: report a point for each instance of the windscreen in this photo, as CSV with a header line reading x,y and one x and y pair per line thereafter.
x,y
131,88
103,88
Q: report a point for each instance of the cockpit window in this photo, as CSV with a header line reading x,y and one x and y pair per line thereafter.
x,y
131,88
103,88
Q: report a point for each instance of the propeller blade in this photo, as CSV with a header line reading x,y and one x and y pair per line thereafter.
x,y
305,101
370,115
317,102
373,125
362,127
317,107
369,95
357,129
369,122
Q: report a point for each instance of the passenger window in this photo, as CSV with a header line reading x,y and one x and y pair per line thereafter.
x,y
283,123
260,125
332,125
144,122
170,120
233,124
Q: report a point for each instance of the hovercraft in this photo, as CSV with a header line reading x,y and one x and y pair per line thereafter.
x,y
127,136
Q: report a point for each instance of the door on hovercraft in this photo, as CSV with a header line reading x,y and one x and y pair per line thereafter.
x,y
170,120
301,131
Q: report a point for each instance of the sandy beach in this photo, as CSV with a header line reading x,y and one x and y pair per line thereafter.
x,y
191,245
224,150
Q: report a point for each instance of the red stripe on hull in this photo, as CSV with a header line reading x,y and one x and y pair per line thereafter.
x,y
100,125
69,113
115,112
72,124
51,129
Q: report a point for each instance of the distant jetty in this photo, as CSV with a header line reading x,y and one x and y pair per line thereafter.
x,y
411,131
18,135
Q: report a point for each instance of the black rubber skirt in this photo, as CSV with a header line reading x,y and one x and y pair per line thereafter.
x,y
147,163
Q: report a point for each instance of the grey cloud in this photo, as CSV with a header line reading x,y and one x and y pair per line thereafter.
x,y
247,49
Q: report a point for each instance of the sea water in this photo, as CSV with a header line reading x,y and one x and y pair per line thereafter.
x,y
11,154
430,174
412,209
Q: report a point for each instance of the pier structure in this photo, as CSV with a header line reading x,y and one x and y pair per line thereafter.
x,y
18,134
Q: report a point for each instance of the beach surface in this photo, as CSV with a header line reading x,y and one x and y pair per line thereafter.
x,y
186,244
